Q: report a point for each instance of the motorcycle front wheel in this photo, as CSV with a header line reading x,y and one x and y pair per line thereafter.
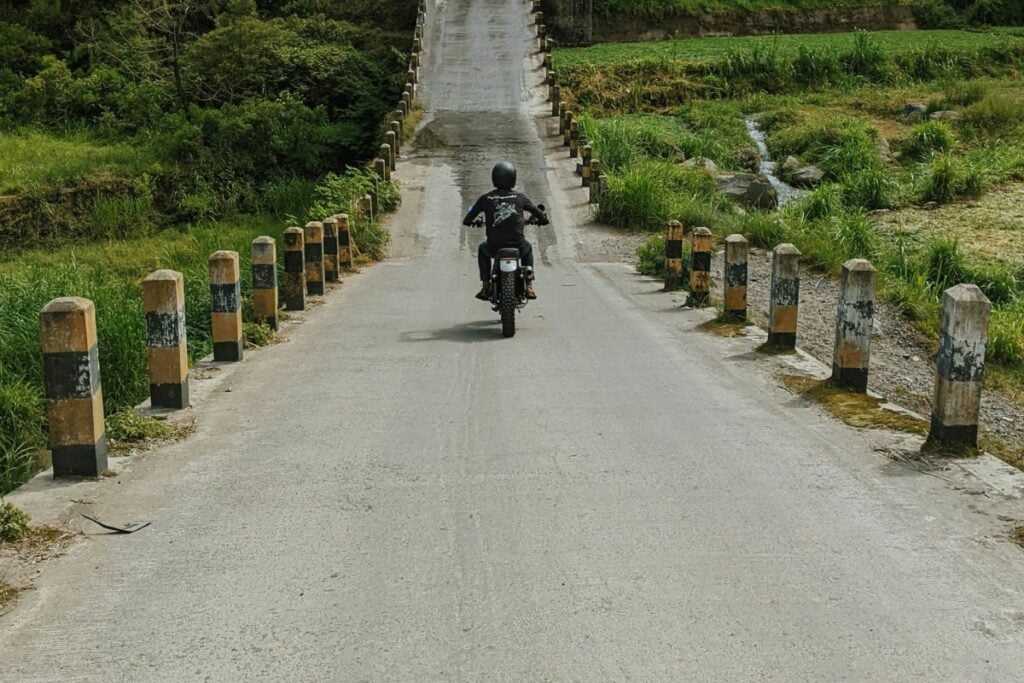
x,y
507,304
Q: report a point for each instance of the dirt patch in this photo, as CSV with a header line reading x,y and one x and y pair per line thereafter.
x,y
991,226
20,561
724,328
855,409
603,244
1018,535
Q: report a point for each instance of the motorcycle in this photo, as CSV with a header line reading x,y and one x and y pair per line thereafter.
x,y
508,280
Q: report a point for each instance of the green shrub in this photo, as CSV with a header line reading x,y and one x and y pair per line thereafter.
x,y
866,58
651,258
948,178
927,139
839,145
13,523
932,14
994,115
817,66
339,194
126,426
827,200
1006,335
870,189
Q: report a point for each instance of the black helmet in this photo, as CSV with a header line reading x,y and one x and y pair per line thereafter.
x,y
504,175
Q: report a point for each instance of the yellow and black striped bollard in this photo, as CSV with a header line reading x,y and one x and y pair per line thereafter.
x,y
567,132
314,239
574,140
586,155
700,266
344,242
556,100
784,305
74,395
294,269
226,306
561,118
264,281
331,270
735,277
855,318
163,300
673,254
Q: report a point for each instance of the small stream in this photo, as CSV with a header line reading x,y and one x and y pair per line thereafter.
x,y
786,192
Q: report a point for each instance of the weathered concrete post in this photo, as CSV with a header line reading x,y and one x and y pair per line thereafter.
x,y
407,98
548,61
372,205
700,266
785,296
402,110
673,254
386,154
595,181
366,208
556,100
380,168
344,242
574,140
735,277
399,115
854,320
264,281
963,336
396,128
414,62
417,45
561,118
226,306
294,269
586,154
314,240
331,270
538,18
74,395
391,140
542,32
412,76
536,6
163,300
391,158
567,133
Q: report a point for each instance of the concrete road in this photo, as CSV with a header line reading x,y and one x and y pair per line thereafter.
x,y
399,493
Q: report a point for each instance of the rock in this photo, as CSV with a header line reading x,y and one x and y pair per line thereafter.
x,y
883,150
948,116
914,111
790,164
702,163
752,189
750,159
806,176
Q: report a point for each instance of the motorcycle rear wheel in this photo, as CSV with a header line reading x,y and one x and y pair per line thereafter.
x,y
507,304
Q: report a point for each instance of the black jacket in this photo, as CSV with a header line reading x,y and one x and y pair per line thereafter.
x,y
504,213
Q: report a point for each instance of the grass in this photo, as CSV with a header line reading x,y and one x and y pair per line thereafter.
x,y
660,9
13,523
786,45
855,409
1017,535
34,158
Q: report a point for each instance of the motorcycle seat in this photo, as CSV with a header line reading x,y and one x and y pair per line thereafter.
x,y
508,253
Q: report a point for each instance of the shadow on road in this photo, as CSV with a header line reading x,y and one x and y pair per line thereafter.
x,y
463,333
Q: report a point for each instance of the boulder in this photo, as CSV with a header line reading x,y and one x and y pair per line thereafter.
x,y
751,189
914,111
702,163
806,176
750,159
949,116
790,164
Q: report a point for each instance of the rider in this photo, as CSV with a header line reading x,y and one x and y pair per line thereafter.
x,y
503,209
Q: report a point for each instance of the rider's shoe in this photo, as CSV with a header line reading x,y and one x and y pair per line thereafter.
x,y
531,293
485,291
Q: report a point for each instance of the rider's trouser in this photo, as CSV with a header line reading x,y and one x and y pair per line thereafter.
x,y
488,251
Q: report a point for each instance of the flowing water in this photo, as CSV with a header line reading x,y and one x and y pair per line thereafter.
x,y
786,192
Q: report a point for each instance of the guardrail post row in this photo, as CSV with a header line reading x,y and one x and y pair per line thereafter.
x,y
392,145
264,281
673,254
74,395
963,336
382,168
163,300
700,266
331,270
314,240
574,140
785,296
854,319
586,154
294,269
595,180
567,132
737,252
226,306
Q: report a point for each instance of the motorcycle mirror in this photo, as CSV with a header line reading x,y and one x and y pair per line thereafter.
x,y
543,209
